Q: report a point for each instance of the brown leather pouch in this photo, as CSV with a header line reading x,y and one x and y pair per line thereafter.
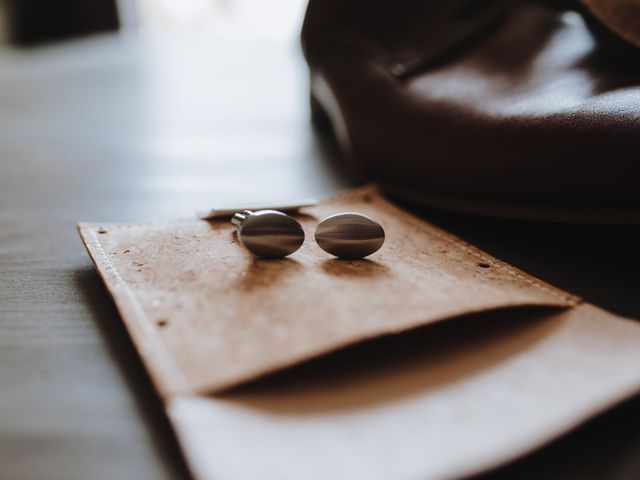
x,y
508,108
430,359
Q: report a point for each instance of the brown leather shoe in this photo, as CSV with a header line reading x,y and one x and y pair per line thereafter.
x,y
507,108
621,17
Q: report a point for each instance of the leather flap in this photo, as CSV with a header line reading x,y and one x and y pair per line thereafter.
x,y
206,315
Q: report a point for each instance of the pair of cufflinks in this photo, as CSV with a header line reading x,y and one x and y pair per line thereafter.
x,y
274,234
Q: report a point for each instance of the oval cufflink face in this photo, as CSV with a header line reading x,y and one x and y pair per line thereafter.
x,y
271,234
349,235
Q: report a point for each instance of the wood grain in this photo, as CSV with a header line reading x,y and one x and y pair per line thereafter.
x,y
111,130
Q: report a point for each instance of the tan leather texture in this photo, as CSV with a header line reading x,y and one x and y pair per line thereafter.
x,y
456,362
206,314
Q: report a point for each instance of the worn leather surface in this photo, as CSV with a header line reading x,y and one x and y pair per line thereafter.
x,y
513,108
448,401
431,359
206,314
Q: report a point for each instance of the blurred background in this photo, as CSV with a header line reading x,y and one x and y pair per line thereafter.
x,y
29,22
167,103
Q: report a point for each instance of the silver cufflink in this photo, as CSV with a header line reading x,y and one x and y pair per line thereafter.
x,y
349,235
268,233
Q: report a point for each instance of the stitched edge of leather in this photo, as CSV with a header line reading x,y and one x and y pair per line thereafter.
x,y
168,376
570,299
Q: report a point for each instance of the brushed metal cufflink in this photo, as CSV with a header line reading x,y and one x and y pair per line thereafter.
x,y
268,233
349,235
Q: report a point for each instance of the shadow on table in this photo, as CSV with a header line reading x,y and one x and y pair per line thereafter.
x,y
124,354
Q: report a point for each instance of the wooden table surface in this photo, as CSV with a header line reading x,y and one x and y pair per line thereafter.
x,y
114,129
